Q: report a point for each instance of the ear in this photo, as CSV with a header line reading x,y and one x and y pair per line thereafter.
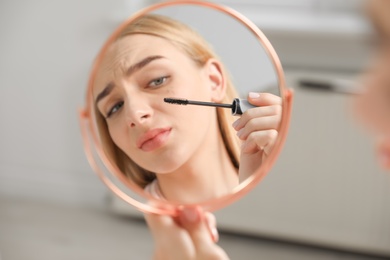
x,y
216,79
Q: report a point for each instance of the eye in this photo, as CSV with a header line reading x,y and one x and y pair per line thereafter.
x,y
114,109
158,81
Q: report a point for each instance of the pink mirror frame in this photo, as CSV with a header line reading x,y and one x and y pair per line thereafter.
x,y
155,206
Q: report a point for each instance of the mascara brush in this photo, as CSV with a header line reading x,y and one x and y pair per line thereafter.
x,y
238,107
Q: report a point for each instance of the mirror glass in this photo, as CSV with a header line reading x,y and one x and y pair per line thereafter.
x,y
184,154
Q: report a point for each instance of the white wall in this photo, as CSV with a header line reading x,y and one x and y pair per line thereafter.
x,y
46,51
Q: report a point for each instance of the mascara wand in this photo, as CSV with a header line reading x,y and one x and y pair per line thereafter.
x,y
239,106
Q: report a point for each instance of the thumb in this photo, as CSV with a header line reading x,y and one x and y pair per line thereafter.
x,y
193,219
200,226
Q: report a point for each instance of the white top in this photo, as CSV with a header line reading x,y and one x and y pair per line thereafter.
x,y
154,190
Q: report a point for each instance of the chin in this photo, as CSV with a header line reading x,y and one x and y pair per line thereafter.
x,y
164,165
165,169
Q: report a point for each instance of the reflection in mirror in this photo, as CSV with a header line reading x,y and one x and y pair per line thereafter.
x,y
185,154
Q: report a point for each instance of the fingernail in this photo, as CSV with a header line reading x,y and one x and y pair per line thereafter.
x,y
254,95
235,124
214,233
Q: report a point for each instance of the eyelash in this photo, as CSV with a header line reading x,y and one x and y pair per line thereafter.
x,y
164,78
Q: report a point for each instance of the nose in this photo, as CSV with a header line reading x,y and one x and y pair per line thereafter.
x,y
138,112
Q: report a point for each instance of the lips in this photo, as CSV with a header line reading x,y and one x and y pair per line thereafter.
x,y
153,139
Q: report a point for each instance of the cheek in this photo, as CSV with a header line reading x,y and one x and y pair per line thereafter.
x,y
192,84
189,114
118,136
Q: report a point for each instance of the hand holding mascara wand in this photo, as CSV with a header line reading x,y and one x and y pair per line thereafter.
x,y
239,106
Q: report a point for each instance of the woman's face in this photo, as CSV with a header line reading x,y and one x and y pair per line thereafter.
x,y
137,73
373,106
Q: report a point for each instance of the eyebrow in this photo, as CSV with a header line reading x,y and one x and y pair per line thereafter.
x,y
133,68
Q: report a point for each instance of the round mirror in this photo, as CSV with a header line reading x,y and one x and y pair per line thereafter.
x,y
186,105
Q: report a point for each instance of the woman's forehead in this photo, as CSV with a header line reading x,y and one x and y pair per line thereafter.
x,y
130,50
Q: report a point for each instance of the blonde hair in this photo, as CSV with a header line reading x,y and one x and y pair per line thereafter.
x,y
186,39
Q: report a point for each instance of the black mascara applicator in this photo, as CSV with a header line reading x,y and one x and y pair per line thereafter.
x,y
239,106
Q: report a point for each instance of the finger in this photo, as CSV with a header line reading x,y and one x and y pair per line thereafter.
x,y
257,112
264,99
259,124
157,222
161,225
212,226
194,221
260,141
178,246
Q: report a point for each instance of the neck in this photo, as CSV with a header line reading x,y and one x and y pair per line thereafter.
x,y
208,174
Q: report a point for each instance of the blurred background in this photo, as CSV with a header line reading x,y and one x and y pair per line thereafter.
x,y
324,199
